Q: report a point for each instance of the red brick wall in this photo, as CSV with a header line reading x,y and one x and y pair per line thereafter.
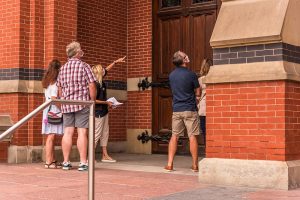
x,y
292,121
139,110
3,151
139,38
37,31
102,33
18,106
246,120
9,23
121,28
8,106
65,27
139,62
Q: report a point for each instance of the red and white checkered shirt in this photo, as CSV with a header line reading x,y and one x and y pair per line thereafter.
x,y
74,79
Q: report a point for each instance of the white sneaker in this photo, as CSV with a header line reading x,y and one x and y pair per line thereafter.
x,y
66,165
83,167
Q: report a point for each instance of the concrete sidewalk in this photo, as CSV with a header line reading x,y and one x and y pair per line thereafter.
x,y
133,177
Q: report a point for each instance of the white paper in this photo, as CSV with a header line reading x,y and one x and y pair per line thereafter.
x,y
114,102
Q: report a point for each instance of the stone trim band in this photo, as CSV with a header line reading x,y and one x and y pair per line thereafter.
x,y
116,85
257,53
37,74
21,74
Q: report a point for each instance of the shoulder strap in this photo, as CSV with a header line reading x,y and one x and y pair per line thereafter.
x,y
49,107
202,97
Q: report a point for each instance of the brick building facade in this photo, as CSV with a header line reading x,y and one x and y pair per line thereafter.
x,y
34,32
252,90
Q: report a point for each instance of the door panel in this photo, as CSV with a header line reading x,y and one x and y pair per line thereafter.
x,y
165,109
164,117
179,25
201,27
198,37
170,41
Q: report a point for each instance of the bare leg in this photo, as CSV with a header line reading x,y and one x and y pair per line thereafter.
x,y
194,150
82,142
49,148
172,149
105,154
67,142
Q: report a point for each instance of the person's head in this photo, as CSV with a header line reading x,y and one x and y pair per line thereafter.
x,y
98,72
51,74
180,59
74,50
205,66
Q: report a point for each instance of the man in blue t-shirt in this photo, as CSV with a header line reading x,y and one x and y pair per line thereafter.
x,y
185,86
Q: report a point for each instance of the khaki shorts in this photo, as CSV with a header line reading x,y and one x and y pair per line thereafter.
x,y
79,119
188,120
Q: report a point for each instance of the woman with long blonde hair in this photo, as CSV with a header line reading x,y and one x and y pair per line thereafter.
x,y
101,109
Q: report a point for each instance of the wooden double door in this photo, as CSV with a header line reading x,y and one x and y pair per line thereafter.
x,y
184,25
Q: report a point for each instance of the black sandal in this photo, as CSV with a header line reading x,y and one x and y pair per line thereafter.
x,y
53,165
58,164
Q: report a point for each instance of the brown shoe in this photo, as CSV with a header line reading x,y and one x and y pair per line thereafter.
x,y
169,168
195,169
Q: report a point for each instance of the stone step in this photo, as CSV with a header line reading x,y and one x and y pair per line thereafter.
x,y
5,123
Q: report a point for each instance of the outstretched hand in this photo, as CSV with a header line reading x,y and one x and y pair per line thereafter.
x,y
120,60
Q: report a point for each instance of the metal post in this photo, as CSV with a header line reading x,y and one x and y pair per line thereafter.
x,y
91,150
91,154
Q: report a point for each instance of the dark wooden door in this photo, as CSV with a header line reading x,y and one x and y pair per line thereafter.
x,y
184,25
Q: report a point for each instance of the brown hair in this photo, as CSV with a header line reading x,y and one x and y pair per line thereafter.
x,y
51,74
205,66
178,58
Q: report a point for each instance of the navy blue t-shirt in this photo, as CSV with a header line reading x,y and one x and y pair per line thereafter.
x,y
183,83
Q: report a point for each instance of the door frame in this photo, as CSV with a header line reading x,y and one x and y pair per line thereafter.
x,y
166,14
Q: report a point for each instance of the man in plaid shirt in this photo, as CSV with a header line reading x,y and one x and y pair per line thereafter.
x,y
76,81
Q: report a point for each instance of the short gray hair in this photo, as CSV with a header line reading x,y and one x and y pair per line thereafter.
x,y
178,58
72,49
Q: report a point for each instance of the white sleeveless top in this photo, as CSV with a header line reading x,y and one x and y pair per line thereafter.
x,y
47,128
202,103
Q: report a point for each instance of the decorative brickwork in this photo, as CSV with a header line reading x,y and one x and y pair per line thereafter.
x,y
21,74
257,53
37,74
117,85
